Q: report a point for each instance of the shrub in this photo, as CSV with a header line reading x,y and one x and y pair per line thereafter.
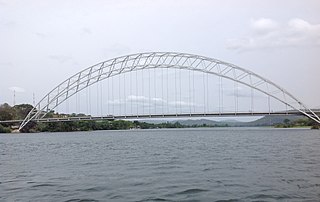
x,y
4,129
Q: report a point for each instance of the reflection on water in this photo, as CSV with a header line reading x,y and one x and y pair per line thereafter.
x,y
235,164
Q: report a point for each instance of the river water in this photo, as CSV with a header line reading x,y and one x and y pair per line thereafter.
x,y
218,164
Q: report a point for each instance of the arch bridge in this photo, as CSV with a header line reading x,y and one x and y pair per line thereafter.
x,y
178,62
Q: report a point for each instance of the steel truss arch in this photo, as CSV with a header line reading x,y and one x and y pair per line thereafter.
x,y
139,61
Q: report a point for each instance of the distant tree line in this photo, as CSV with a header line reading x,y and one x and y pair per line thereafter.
x,y
19,112
297,123
98,125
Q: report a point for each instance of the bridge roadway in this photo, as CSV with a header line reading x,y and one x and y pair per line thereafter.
x,y
150,116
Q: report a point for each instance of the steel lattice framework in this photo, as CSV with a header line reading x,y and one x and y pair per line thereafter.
x,y
140,61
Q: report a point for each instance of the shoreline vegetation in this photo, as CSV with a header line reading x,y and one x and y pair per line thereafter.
x,y
18,112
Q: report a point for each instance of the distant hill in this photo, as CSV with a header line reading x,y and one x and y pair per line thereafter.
x,y
190,122
268,120
201,122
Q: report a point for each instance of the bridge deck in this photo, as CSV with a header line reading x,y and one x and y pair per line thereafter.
x,y
150,116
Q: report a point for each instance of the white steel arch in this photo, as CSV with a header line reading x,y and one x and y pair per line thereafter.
x,y
140,61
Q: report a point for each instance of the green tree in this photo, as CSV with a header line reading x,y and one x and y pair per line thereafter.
x,y
286,121
22,110
6,112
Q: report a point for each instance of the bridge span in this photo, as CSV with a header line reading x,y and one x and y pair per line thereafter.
x,y
169,85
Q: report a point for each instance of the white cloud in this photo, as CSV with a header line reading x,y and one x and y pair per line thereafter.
x,y
264,25
17,89
267,33
116,102
138,99
157,100
182,104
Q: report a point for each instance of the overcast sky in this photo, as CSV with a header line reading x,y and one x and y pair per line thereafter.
x,y
44,42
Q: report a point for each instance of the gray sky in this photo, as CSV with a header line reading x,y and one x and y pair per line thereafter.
x,y
44,42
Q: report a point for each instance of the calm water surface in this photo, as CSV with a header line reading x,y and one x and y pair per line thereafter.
x,y
229,164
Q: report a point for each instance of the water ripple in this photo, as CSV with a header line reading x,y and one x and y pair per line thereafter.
x,y
192,191
43,185
222,165
81,200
